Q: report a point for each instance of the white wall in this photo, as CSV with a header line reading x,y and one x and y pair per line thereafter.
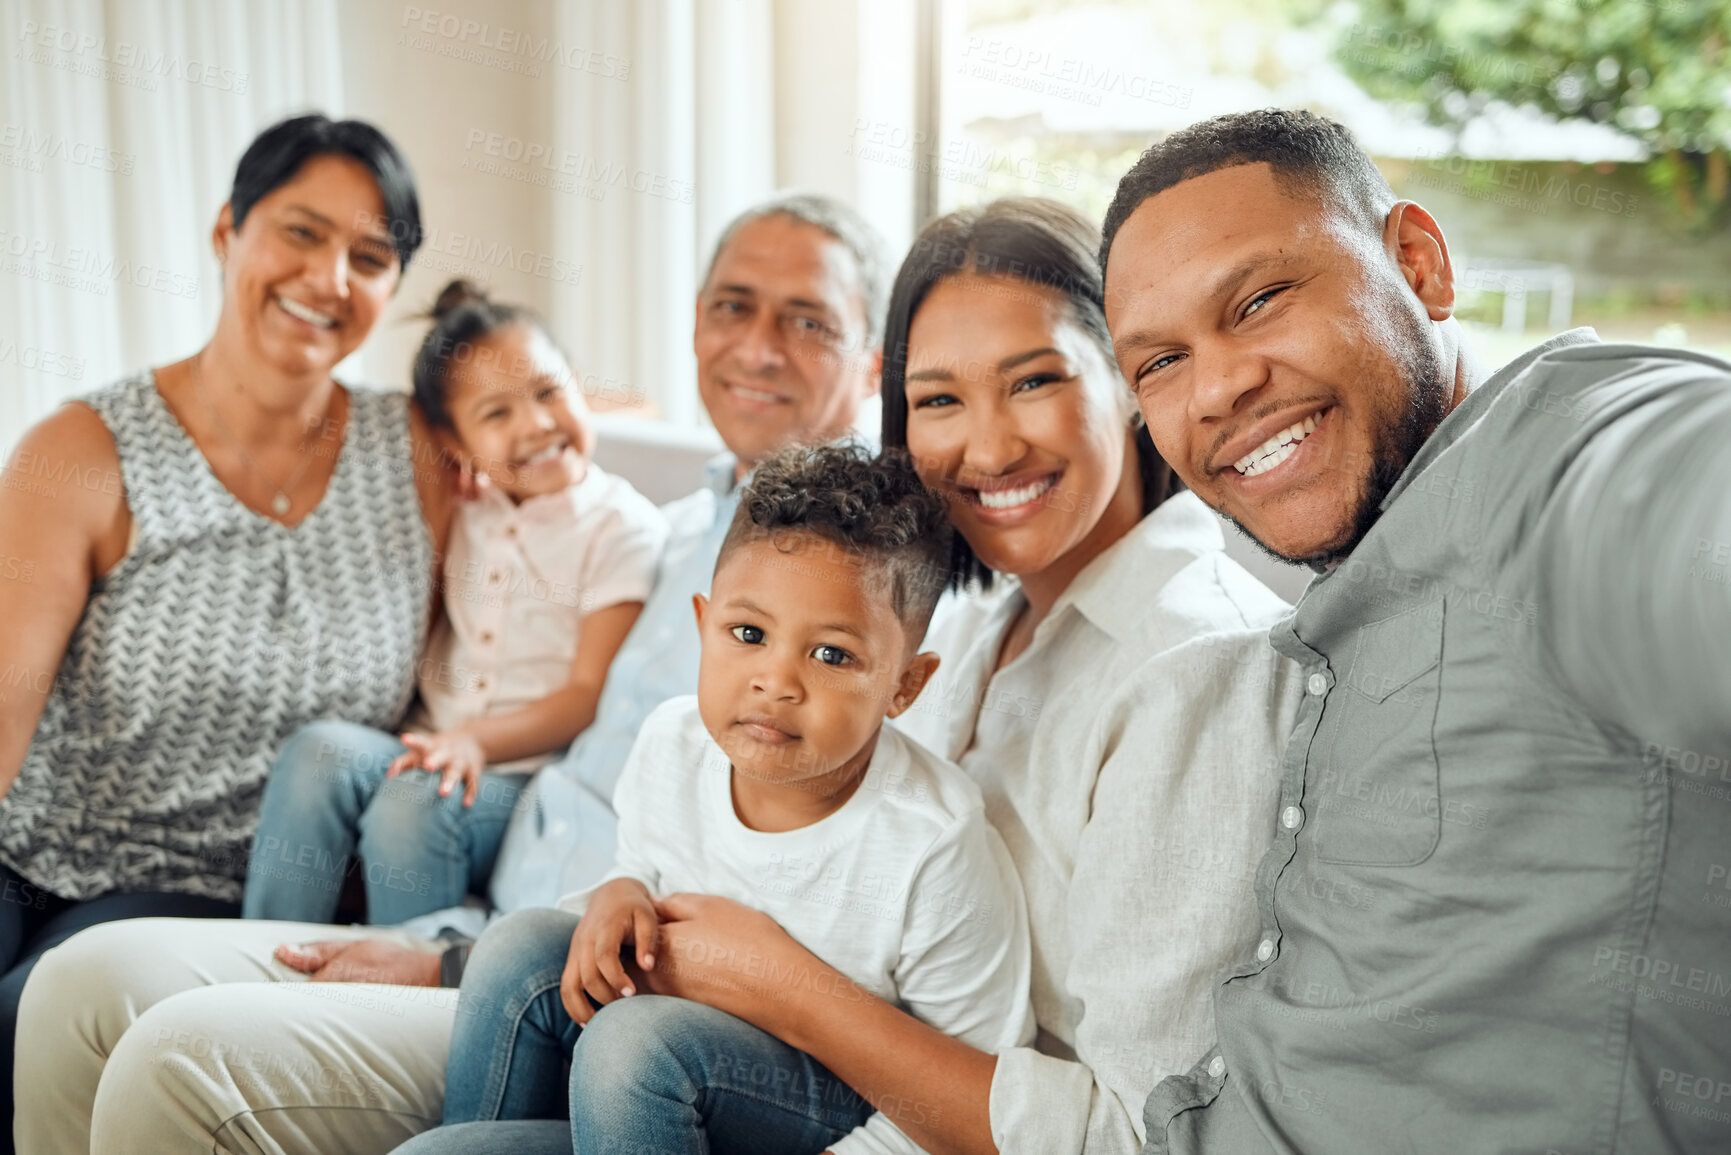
x,y
431,105
845,70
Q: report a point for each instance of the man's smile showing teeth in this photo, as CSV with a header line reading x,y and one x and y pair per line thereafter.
x,y
310,316
1021,495
1276,449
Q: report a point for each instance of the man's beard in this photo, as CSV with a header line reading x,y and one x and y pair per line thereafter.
x,y
1418,367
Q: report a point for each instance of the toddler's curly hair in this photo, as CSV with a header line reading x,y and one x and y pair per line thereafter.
x,y
871,506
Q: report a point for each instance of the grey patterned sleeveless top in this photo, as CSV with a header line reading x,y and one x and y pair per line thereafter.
x,y
217,635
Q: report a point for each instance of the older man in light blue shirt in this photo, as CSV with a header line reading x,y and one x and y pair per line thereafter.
x,y
788,323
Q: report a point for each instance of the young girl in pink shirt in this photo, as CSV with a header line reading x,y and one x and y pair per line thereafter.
x,y
548,567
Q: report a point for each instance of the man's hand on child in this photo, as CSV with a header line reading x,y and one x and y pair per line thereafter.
x,y
620,912
453,754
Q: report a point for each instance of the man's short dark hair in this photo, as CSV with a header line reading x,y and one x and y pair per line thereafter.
x,y
1311,155
873,507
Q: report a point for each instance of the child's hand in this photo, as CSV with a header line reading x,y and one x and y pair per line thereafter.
x,y
620,912
452,753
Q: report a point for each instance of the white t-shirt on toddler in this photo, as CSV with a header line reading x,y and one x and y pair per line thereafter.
x,y
906,889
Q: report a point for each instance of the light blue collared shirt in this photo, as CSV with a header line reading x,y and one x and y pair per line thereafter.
x,y
561,837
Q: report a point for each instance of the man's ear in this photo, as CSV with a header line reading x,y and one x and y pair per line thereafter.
x,y
875,381
699,606
914,677
1413,238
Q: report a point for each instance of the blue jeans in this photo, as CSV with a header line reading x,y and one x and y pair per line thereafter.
x,y
649,1073
327,798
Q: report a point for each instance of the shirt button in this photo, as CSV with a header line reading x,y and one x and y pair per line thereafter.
x,y
1291,817
1265,950
1317,685
510,531
1216,1066
494,576
481,683
486,636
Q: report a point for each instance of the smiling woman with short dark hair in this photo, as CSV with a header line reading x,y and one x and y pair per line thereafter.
x,y
227,566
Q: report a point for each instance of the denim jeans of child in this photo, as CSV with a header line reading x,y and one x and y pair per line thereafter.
x,y
327,802
649,1073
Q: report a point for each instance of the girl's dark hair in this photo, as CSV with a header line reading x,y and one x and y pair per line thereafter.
x,y
277,154
463,316
1031,239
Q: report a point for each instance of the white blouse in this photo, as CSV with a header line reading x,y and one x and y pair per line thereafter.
x,y
1129,758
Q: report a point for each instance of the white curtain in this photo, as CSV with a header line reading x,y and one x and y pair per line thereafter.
x,y
694,128
123,122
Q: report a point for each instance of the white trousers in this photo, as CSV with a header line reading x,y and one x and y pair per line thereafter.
x,y
163,1035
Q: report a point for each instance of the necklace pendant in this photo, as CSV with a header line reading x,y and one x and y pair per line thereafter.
x,y
280,504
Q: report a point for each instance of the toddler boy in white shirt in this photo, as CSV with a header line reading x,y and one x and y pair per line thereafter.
x,y
780,787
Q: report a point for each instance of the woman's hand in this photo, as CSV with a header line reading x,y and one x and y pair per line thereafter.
x,y
728,956
452,753
619,912
735,959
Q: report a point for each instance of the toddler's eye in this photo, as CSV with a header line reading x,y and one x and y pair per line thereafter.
x,y
750,635
832,655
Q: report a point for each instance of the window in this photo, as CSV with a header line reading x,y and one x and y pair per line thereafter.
x,y
1552,222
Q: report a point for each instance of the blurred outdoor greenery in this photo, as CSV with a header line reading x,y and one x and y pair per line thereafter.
x,y
1658,70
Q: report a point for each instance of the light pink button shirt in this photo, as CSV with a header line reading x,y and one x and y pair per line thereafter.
x,y
519,579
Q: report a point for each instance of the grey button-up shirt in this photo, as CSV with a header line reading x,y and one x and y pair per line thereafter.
x,y
1497,912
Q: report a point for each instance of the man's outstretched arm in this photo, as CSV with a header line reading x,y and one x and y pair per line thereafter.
x,y
1634,552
